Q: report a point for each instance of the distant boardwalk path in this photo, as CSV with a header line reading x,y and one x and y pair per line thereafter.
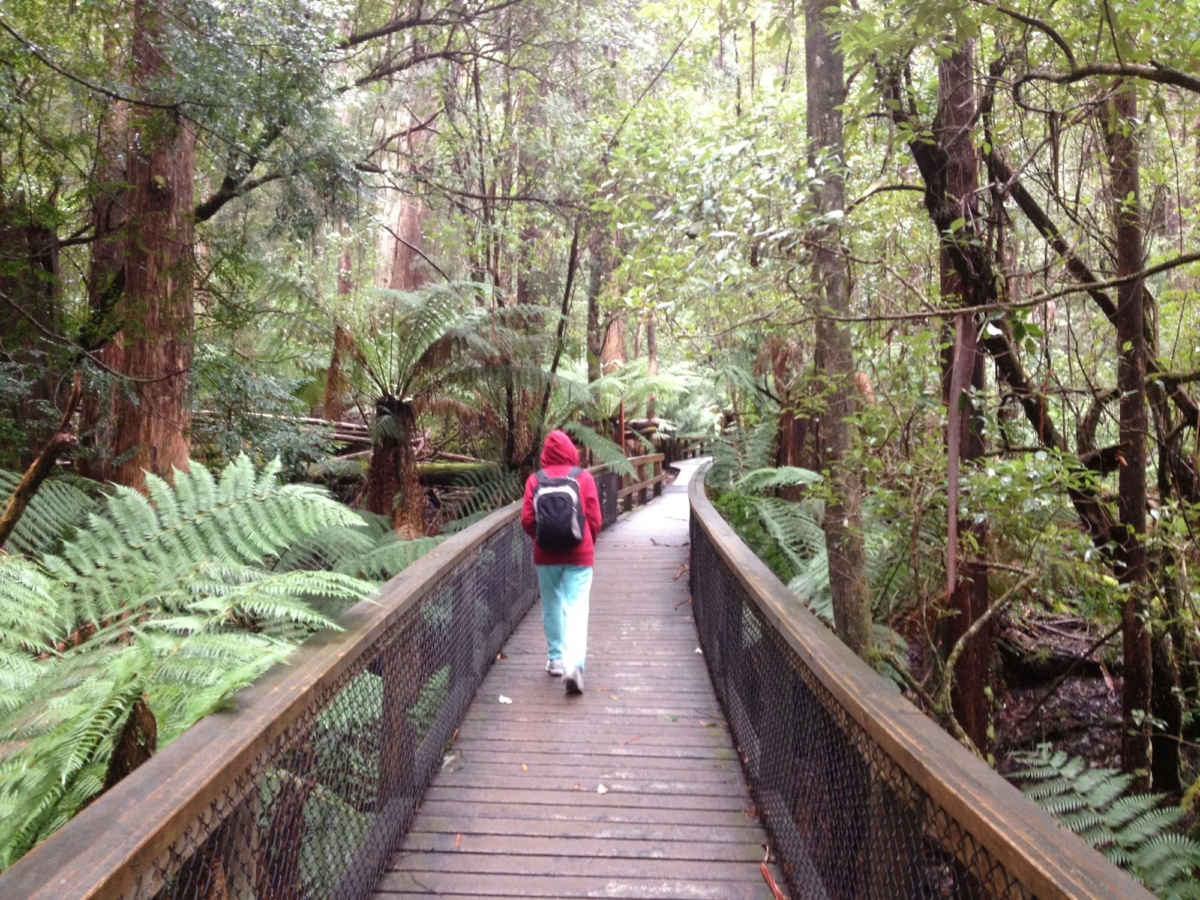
x,y
632,790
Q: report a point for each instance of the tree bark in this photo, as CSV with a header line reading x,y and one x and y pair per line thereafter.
x,y
409,270
843,511
393,486
152,415
651,360
1122,136
967,582
597,273
105,281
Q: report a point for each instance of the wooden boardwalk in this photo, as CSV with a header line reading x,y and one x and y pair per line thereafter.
x,y
631,790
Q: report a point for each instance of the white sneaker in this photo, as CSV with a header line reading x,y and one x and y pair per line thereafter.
x,y
574,680
554,667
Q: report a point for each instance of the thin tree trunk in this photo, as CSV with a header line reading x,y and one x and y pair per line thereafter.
x,y
152,410
1131,381
43,464
597,273
651,360
843,511
967,583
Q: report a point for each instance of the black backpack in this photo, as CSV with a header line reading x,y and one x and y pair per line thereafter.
x,y
558,511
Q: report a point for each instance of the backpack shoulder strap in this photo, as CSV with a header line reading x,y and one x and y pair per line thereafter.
x,y
574,473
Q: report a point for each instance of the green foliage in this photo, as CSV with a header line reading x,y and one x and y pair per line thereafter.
x,y
602,449
429,703
175,598
481,491
55,511
241,410
788,536
366,546
1131,830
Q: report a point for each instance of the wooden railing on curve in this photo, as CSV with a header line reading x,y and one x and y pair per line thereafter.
x,y
863,795
306,784
648,479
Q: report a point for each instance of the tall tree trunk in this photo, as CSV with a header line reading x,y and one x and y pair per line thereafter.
x,y
843,511
597,273
967,583
105,282
1131,382
334,402
651,360
333,405
152,412
408,265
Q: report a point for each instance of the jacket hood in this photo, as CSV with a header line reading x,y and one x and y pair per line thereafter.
x,y
559,451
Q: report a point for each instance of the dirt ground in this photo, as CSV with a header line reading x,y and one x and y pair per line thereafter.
x,y
1083,718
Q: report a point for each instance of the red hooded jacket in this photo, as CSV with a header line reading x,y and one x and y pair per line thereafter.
x,y
558,456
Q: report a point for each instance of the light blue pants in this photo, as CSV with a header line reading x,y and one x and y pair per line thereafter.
x,y
565,591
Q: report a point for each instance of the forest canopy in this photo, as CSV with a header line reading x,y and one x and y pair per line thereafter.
x,y
923,274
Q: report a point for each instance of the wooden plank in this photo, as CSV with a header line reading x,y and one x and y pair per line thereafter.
x,y
440,810
615,842
535,758
690,885
479,826
615,770
606,859
470,796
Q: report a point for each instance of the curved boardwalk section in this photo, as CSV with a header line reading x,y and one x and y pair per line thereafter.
x,y
631,790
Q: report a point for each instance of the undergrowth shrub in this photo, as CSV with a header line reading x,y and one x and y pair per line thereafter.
x,y
168,602
1131,830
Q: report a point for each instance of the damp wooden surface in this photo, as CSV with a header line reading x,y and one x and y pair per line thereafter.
x,y
631,790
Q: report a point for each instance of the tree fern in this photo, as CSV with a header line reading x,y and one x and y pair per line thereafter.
x,y
59,505
479,492
603,450
1130,830
367,547
175,599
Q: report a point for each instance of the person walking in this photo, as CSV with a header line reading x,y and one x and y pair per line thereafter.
x,y
561,512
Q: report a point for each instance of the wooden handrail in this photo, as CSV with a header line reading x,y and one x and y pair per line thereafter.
x,y
642,483
1049,861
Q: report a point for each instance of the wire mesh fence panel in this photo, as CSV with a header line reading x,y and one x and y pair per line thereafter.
x,y
835,786
319,810
607,485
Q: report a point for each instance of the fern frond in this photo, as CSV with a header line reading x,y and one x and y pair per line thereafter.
x,y
55,511
758,480
1130,830
602,449
133,553
174,596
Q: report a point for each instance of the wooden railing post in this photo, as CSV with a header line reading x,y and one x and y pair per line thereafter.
x,y
641,475
658,477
